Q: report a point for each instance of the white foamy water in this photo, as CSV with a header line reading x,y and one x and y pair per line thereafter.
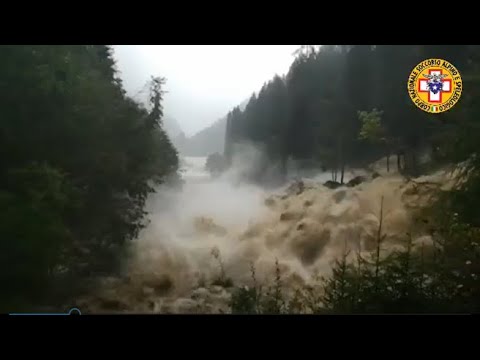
x,y
193,168
172,264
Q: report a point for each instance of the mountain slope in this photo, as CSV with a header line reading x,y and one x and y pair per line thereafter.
x,y
207,141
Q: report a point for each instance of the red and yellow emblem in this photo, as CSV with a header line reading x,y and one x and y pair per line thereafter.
x,y
435,85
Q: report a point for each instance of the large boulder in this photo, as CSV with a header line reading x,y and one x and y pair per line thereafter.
x,y
308,203
295,188
339,195
332,184
357,180
290,215
215,164
270,202
207,226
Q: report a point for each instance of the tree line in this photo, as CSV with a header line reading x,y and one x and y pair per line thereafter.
x,y
78,160
317,110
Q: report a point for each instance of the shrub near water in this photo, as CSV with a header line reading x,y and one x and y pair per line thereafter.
x,y
437,277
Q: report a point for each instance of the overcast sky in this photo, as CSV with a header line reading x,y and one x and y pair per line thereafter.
x,y
204,82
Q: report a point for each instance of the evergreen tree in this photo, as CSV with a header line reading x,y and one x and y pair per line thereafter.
x,y
79,159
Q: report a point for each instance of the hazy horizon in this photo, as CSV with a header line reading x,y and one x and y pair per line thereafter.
x,y
204,82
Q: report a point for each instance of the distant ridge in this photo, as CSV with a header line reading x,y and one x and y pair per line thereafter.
x,y
172,128
207,141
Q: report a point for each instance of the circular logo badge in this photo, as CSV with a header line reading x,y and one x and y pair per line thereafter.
x,y
435,85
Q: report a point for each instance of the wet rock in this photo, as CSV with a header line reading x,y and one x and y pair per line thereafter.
x,y
160,285
310,246
164,285
357,180
411,189
375,175
251,232
296,188
332,184
270,202
308,203
287,216
208,226
339,196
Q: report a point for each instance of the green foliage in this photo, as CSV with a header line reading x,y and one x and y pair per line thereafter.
x,y
418,278
439,278
258,300
372,129
79,159
314,111
215,164
222,279
32,229
463,146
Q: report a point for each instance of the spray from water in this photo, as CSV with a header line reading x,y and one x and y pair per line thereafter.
x,y
214,229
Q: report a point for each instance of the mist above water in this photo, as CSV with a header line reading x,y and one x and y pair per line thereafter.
x,y
172,258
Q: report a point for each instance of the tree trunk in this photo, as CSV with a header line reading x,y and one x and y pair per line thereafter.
x,y
342,162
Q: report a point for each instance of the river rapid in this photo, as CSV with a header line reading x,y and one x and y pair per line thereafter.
x,y
220,225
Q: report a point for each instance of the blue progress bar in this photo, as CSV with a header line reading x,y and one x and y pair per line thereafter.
x,y
50,314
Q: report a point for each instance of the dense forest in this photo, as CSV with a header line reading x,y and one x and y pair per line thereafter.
x,y
79,159
312,114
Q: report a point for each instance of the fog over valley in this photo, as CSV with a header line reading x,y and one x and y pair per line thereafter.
x,y
203,81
